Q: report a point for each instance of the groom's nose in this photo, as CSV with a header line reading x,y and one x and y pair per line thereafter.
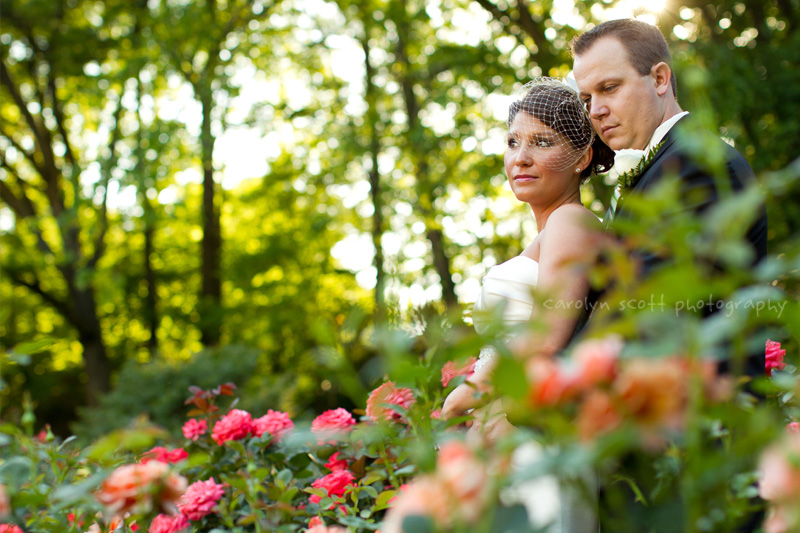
x,y
597,108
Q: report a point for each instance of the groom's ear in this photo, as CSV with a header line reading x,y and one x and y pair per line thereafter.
x,y
662,77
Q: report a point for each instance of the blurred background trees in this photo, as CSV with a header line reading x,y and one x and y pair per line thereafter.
x,y
270,179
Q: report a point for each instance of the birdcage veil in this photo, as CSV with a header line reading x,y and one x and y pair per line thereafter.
x,y
550,120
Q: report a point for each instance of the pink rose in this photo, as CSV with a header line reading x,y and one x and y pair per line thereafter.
x,y
200,499
773,357
168,524
793,427
237,424
597,360
335,484
436,414
163,455
335,464
130,488
193,428
450,370
10,528
332,423
388,394
276,423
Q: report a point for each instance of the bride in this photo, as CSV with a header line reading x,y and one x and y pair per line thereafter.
x,y
552,148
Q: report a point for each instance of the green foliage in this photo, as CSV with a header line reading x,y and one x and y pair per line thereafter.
x,y
156,390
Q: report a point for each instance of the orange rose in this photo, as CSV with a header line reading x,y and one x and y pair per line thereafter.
x,y
653,391
597,414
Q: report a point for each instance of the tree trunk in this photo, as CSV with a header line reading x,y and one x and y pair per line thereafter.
x,y
151,302
374,178
98,369
441,261
211,291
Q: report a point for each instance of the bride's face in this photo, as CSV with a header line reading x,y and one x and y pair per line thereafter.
x,y
540,162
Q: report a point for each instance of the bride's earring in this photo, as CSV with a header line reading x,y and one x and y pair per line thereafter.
x,y
578,170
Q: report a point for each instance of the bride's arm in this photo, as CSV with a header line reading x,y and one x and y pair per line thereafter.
x,y
567,250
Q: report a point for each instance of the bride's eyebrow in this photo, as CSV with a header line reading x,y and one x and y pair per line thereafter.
x,y
538,135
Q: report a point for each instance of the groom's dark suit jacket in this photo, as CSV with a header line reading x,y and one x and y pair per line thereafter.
x,y
699,191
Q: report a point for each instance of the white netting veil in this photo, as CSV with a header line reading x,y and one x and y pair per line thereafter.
x,y
551,123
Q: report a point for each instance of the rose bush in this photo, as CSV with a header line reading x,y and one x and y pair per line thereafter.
x,y
400,469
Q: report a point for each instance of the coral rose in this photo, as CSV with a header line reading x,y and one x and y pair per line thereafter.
x,y
168,524
597,360
332,423
388,394
465,476
780,470
335,484
163,455
551,384
450,370
597,415
773,357
779,484
194,428
236,425
276,423
132,488
10,528
200,499
426,496
793,427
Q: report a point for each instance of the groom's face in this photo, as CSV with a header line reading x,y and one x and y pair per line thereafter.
x,y
624,105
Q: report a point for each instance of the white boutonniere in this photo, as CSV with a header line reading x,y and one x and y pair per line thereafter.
x,y
630,163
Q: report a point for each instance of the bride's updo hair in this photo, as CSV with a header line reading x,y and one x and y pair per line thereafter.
x,y
557,106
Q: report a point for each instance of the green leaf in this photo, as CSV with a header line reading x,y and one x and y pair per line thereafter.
x,y
16,471
509,377
382,501
284,477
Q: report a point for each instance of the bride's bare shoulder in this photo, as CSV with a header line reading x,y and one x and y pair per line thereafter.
x,y
573,217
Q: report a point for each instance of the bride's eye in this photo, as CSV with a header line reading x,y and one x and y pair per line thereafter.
x,y
543,143
512,142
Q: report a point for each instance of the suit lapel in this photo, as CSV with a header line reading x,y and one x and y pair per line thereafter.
x,y
640,181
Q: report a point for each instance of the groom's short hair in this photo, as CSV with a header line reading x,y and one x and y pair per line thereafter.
x,y
645,44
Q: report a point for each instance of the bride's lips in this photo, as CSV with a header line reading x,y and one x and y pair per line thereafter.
x,y
524,177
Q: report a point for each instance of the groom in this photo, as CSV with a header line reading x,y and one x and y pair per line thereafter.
x,y
623,72
624,76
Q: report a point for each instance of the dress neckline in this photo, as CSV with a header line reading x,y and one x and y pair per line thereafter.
x,y
525,257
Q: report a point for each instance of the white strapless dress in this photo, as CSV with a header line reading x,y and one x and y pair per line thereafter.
x,y
509,287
